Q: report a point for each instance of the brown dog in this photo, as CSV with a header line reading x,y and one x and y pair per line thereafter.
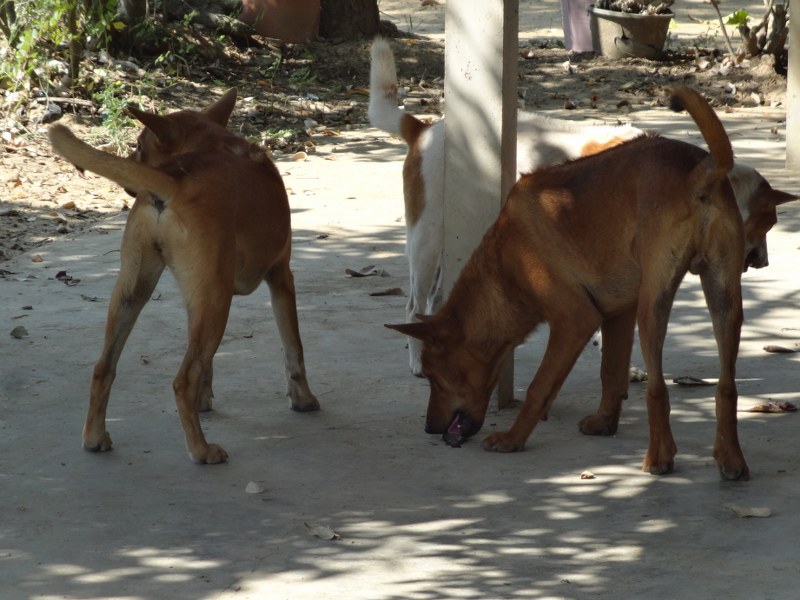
x,y
600,241
213,208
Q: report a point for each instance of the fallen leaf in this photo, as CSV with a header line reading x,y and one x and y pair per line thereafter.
x,y
749,511
66,278
773,407
637,375
778,349
587,475
367,271
19,332
323,532
390,292
254,487
689,380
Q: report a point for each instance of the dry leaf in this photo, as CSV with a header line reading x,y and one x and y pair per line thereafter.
x,y
254,487
689,380
773,407
367,271
299,156
323,532
778,349
587,475
19,332
749,511
390,292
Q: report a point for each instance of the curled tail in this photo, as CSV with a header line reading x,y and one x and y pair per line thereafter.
x,y
384,112
719,146
130,174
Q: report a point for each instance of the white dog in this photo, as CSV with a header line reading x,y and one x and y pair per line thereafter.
x,y
540,141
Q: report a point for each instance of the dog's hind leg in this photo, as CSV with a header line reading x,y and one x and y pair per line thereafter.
x,y
208,315
617,335
724,300
141,266
653,316
425,299
284,307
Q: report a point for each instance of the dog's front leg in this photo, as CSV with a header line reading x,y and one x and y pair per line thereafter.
x,y
284,307
566,342
617,335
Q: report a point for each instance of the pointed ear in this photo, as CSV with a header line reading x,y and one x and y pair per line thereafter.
x,y
420,331
162,127
778,197
221,110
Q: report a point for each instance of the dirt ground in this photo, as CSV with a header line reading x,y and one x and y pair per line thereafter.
x,y
355,501
296,97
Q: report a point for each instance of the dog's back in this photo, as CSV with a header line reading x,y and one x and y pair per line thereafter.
x,y
543,140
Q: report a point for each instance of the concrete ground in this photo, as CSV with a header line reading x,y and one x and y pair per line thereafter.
x,y
415,518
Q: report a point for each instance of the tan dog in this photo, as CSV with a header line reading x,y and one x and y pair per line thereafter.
x,y
213,208
601,241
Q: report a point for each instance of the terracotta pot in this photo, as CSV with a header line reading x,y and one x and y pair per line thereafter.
x,y
292,21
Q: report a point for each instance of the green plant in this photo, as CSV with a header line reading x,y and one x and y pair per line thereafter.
x,y
113,101
303,75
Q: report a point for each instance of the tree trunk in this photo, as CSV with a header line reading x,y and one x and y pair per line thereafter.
x,y
349,19
133,11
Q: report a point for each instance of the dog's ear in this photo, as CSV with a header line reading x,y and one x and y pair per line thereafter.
x,y
221,110
420,331
163,127
778,197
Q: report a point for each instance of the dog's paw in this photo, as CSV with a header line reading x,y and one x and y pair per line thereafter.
x,y
503,441
213,455
655,466
597,424
308,403
104,445
732,465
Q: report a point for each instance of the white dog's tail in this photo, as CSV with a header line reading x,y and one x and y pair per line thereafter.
x,y
384,111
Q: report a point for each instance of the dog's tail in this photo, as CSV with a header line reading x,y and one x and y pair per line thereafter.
x,y
719,146
130,174
384,112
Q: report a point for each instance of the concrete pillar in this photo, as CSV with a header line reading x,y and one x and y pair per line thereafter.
x,y
480,130
793,97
